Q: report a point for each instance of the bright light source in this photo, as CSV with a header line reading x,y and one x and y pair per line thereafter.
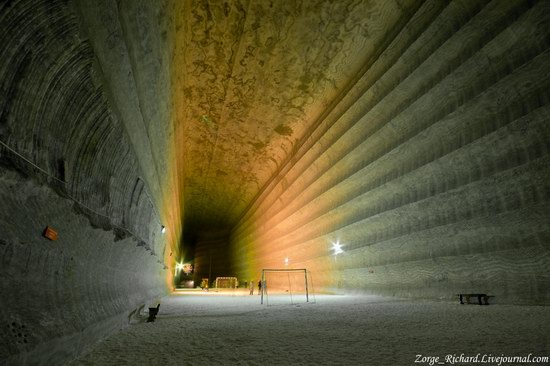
x,y
337,247
163,229
286,261
179,267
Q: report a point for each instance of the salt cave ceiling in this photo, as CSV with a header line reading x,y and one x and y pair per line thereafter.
x,y
254,78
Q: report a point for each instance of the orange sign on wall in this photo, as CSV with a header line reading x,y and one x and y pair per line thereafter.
x,y
50,233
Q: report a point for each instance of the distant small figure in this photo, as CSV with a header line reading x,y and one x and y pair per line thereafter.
x,y
259,287
251,287
204,284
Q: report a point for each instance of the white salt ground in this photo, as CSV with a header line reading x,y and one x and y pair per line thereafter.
x,y
234,329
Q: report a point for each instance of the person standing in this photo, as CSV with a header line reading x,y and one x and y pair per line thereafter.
x,y
259,287
251,287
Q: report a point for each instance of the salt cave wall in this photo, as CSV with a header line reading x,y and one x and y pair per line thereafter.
x,y
67,160
431,169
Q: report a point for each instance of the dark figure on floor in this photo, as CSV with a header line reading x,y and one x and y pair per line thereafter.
x,y
153,313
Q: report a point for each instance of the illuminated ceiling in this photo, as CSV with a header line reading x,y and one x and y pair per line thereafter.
x,y
251,79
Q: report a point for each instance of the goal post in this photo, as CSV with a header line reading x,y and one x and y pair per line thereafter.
x,y
285,286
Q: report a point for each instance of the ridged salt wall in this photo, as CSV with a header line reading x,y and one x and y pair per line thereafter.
x,y
66,162
432,169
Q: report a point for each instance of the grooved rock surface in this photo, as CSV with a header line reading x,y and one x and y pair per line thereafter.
x,y
67,161
431,171
255,77
58,296
413,133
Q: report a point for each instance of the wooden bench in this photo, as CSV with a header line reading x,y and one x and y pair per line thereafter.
x,y
480,297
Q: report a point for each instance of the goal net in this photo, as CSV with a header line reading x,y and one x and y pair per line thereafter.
x,y
226,282
286,286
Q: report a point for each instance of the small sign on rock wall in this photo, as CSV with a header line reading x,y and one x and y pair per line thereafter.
x,y
50,233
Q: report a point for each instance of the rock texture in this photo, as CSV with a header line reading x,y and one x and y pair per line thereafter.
x,y
413,133
60,296
255,77
71,159
431,169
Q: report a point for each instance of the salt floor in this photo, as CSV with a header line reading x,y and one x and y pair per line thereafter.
x,y
235,329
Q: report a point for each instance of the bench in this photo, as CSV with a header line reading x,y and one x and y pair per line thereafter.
x,y
480,297
153,313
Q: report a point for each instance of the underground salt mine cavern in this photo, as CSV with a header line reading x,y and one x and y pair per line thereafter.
x,y
274,182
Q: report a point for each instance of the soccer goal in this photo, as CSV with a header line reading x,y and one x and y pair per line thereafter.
x,y
286,286
226,282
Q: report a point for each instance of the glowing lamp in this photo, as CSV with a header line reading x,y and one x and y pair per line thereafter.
x,y
337,247
163,229
178,268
